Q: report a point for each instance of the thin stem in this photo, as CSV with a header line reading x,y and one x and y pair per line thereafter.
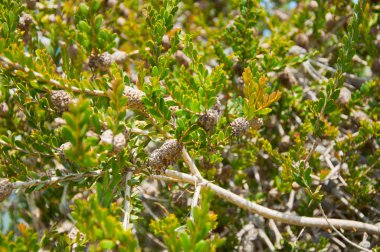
x,y
53,82
127,200
55,180
339,233
195,200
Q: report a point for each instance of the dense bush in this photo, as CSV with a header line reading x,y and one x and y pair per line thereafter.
x,y
189,126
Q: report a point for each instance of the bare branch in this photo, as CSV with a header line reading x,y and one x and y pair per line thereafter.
x,y
250,206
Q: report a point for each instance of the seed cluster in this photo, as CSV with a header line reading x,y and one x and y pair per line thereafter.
x,y
239,126
5,188
60,100
100,62
24,22
209,119
134,98
166,155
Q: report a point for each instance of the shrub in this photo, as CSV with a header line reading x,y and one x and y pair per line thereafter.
x,y
189,125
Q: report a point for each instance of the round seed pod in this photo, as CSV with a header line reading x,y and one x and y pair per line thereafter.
x,y
166,155
60,100
4,109
302,40
134,98
239,126
100,62
208,120
5,188
105,61
25,22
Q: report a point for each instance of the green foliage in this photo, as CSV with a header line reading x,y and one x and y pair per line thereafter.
x,y
91,34
193,236
100,228
90,90
256,101
78,123
26,240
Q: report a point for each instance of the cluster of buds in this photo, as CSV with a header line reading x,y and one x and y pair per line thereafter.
x,y
5,188
118,141
25,22
209,119
166,155
134,98
100,62
240,126
60,100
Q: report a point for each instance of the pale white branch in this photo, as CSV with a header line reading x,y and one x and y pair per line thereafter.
x,y
250,206
127,200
